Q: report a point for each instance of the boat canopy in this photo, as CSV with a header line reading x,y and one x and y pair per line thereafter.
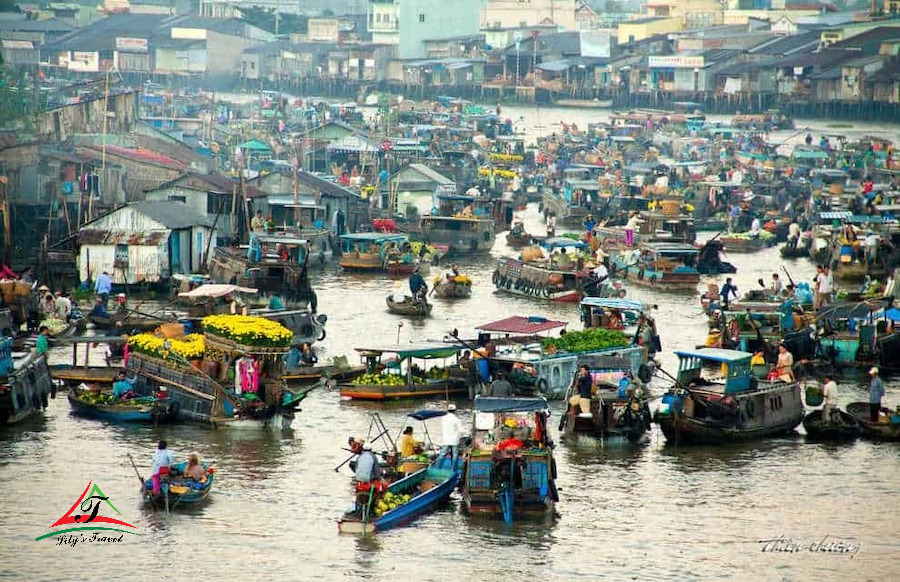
x,y
561,242
621,304
671,248
521,325
215,290
494,404
422,350
374,237
424,415
715,355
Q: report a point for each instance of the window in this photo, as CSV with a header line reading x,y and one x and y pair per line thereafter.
x,y
178,199
421,18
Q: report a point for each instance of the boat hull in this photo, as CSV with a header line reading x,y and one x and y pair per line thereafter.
x,y
437,389
483,487
27,392
179,492
884,431
846,430
156,411
407,307
427,500
571,296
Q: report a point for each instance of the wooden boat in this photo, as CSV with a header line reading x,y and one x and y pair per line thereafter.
x,y
268,274
25,385
633,318
449,287
408,306
557,278
175,490
612,417
377,251
519,238
744,243
730,405
709,261
101,405
845,430
339,371
661,266
398,376
668,226
510,482
126,322
463,224
74,375
886,429
426,489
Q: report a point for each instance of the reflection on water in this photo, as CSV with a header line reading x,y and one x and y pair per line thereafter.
x,y
656,512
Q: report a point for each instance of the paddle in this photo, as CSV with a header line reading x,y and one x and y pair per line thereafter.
x,y
138,473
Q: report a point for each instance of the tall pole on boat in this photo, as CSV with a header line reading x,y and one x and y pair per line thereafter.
x,y
295,167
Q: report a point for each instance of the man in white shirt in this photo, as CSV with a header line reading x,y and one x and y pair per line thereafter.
x,y
871,247
755,227
601,272
451,431
826,286
162,460
830,392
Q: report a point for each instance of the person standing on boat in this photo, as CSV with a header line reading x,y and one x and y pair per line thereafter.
x,y
777,287
257,224
162,461
103,287
584,386
42,344
793,235
633,222
876,393
830,392
728,293
291,359
417,286
367,467
451,431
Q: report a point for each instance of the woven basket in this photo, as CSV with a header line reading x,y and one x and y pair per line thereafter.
x,y
225,344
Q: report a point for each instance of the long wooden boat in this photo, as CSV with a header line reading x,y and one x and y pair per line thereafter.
x,y
519,239
397,377
125,322
377,251
510,482
419,493
556,279
660,266
25,385
408,307
845,430
612,417
305,375
178,491
74,375
729,406
459,287
884,430
101,405
744,243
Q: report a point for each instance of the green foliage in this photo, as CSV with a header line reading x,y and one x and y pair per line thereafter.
x,y
587,340
265,18
20,98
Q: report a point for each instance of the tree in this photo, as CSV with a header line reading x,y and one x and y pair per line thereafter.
x,y
265,18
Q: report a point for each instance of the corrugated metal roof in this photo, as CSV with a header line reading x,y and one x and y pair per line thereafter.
x,y
92,236
173,215
521,325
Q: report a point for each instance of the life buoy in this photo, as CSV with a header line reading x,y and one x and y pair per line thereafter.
x,y
622,293
502,283
508,283
518,284
496,278
751,409
553,468
542,385
546,290
644,373
640,274
741,418
322,335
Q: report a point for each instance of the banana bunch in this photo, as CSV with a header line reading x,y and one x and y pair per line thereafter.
x,y
438,373
389,502
106,398
54,325
381,380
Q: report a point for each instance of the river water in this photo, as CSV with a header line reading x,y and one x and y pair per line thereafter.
x,y
656,512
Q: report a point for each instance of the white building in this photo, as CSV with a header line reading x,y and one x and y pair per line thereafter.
x,y
521,13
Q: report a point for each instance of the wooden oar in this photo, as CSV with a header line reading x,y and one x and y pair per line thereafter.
x,y
138,473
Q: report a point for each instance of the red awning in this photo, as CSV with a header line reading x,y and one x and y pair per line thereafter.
x,y
521,325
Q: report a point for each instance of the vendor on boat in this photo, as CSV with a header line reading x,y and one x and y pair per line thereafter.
x,y
584,392
417,286
409,446
758,359
368,470
510,441
162,461
785,364
123,388
99,310
830,393
307,355
291,359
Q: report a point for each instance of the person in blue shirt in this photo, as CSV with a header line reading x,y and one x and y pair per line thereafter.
x,y
99,309
42,344
122,385
291,359
103,287
275,303
417,286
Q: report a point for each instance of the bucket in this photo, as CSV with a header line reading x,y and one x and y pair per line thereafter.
x,y
484,371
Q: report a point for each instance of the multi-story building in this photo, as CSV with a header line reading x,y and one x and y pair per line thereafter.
x,y
409,23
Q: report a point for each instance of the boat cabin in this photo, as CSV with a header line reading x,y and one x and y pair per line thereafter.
x,y
408,371
461,222
732,370
375,251
627,315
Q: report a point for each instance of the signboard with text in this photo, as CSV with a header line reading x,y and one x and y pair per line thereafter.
x,y
675,62
124,43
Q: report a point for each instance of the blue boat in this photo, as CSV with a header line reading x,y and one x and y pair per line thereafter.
x,y
510,470
419,493
176,490
101,405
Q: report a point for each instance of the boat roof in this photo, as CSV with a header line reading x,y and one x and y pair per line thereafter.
x,y
716,355
215,290
375,237
423,350
521,325
285,239
670,247
495,404
622,304
561,241
426,414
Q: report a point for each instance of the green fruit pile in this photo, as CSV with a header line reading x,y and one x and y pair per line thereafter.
x,y
381,380
389,502
588,340
106,398
763,235
438,373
